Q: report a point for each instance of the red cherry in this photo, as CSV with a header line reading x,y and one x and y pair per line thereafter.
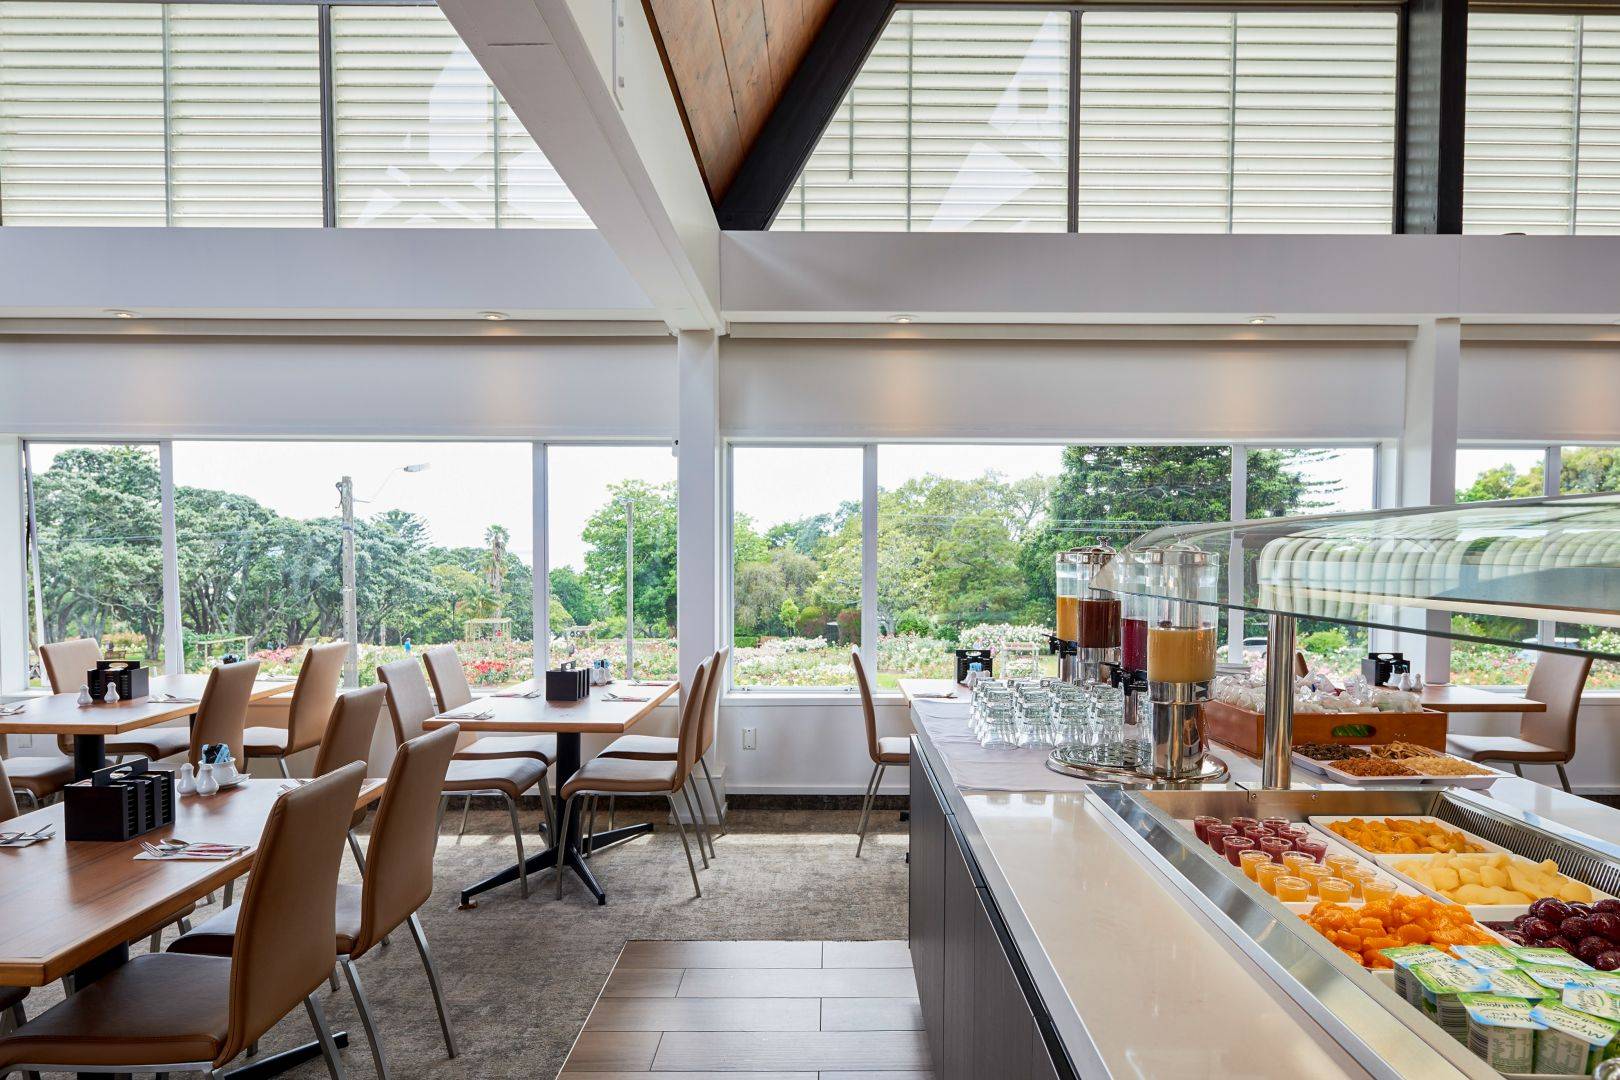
x,y
1607,961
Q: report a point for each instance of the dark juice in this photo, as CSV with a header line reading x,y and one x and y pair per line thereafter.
x,y
1133,644
1099,624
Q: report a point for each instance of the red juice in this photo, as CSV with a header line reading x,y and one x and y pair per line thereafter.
x,y
1133,645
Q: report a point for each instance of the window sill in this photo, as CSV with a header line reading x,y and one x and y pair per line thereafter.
x,y
816,698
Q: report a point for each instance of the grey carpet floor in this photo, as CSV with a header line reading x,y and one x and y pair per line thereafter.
x,y
521,975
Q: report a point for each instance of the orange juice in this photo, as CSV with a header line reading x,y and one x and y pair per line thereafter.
x,y
1180,655
1068,618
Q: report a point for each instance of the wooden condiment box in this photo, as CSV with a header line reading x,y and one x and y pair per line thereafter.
x,y
1244,729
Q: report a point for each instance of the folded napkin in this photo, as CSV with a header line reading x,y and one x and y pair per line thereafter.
x,y
174,699
653,682
13,710
487,714
937,695
519,694
623,697
190,853
25,837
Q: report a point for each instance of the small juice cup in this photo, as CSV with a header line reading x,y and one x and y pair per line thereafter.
x,y
1374,889
1315,874
1358,876
1296,859
1241,823
1234,847
1202,822
1215,834
1251,860
1341,863
1316,849
1293,888
1275,846
1266,875
1334,890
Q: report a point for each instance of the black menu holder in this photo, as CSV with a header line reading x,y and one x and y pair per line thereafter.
x,y
568,683
129,676
119,802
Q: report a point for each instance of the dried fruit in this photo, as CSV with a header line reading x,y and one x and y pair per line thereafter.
x,y
1363,932
1403,836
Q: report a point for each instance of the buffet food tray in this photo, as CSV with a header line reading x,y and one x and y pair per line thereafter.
x,y
1331,771
1323,823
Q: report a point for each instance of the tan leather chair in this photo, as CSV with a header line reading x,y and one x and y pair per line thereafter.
x,y
348,738
886,751
1545,738
313,696
505,778
632,776
170,1012
398,880
66,663
222,711
39,778
665,747
452,691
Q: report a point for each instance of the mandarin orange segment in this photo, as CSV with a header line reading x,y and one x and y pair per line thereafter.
x,y
1403,920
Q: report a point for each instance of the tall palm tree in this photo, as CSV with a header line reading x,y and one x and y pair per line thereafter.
x,y
497,538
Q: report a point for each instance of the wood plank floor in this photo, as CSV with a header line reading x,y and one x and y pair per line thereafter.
x,y
756,1010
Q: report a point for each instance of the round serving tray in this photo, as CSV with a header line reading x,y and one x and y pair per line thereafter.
x,y
1070,761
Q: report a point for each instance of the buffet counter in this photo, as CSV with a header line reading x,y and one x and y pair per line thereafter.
x,y
1036,909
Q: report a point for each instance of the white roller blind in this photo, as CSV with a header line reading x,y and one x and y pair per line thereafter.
x,y
244,114
958,121
81,114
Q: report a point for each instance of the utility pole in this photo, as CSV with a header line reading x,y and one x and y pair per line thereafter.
x,y
351,605
629,590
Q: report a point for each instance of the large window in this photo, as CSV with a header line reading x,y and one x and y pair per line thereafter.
x,y
443,551
96,556
610,529
1543,124
796,565
211,114
1184,122
1588,470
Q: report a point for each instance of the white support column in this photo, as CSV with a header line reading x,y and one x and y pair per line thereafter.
x,y
1552,483
174,647
698,525
1234,555
869,557
540,510
13,568
1428,456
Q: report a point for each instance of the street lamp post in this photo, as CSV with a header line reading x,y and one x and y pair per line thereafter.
x,y
351,599
629,590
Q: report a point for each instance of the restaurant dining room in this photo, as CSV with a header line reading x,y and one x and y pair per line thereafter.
x,y
809,539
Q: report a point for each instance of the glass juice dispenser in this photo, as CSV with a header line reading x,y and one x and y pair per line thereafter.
x,y
1180,658
1087,638
1137,571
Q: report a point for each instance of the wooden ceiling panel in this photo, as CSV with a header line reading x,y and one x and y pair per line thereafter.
x,y
729,63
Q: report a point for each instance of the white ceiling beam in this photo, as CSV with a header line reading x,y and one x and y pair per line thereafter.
x,y
594,96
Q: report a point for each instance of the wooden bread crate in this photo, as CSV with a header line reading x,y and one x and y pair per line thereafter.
x,y
1244,728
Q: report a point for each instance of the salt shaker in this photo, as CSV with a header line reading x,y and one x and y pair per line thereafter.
x,y
207,783
186,782
111,696
84,695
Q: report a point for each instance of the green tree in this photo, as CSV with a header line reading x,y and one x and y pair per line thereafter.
x,y
1502,482
1590,469
581,606
655,524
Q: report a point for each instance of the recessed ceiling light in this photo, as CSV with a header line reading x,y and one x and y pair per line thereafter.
x,y
1261,320
492,316
122,314
902,318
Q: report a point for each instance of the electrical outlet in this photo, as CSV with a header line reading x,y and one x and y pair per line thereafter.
x,y
750,738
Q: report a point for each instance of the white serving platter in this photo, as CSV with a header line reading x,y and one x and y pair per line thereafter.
x,y
1321,824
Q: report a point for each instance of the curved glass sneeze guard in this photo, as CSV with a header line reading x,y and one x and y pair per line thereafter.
x,y
1553,559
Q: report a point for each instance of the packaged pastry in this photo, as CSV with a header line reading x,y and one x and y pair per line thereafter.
x,y
1502,1031
1574,1042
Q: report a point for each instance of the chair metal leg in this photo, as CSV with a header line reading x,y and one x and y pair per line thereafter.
x,y
550,809
364,1008
568,811
329,1050
354,847
689,792
444,803
466,808
281,761
690,865
433,984
1517,770
156,943
866,806
331,980
612,807
517,835
590,826
719,807
707,828
230,892
1563,778
33,800
184,924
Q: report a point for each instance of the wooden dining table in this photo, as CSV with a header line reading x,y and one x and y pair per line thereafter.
x,y
72,907
1448,698
524,710
171,697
